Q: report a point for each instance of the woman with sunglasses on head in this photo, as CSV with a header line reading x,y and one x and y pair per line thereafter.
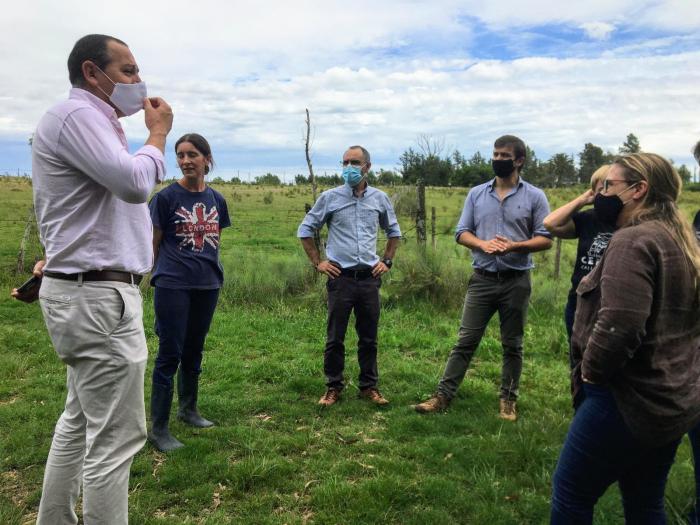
x,y
636,350
592,231
187,220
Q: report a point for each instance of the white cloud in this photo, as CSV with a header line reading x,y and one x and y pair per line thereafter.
x,y
598,30
377,72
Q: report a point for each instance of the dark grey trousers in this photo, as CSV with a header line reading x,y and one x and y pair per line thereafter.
x,y
346,294
486,296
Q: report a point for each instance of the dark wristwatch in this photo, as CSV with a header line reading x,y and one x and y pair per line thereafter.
x,y
388,262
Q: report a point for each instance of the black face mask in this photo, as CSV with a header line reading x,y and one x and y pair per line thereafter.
x,y
503,168
607,208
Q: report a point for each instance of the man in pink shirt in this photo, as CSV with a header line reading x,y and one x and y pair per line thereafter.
x,y
90,198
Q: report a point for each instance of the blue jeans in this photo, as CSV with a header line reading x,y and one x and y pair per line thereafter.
x,y
182,323
600,450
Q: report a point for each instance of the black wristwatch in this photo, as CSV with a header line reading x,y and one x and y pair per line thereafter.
x,y
388,262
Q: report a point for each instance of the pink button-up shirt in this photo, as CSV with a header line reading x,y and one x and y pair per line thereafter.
x,y
90,193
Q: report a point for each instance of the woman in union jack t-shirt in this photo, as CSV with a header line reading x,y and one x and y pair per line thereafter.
x,y
187,220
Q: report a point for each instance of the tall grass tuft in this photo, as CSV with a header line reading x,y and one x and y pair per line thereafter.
x,y
250,280
438,276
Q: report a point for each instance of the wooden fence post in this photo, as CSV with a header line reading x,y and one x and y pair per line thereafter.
x,y
25,238
420,213
432,226
557,259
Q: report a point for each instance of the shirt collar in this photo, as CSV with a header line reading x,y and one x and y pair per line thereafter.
x,y
82,94
493,181
347,190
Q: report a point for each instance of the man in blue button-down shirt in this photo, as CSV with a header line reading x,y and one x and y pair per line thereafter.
x,y
353,212
502,225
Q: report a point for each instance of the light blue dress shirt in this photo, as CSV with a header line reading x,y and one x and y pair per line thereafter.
x,y
519,217
352,224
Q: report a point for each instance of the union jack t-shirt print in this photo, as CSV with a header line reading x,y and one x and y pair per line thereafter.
x,y
198,227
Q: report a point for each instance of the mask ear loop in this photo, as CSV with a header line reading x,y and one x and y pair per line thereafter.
x,y
107,77
631,186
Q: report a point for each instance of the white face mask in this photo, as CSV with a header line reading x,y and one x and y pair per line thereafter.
x,y
128,98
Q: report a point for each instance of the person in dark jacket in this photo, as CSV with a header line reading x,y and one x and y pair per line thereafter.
x,y
636,349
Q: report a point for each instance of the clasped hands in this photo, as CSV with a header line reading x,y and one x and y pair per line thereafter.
x,y
499,245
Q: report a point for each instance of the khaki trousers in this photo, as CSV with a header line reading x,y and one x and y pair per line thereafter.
x,y
97,331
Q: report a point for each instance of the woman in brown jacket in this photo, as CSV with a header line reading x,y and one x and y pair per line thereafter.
x,y
636,349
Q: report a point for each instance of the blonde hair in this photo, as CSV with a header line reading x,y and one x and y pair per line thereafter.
x,y
660,202
599,176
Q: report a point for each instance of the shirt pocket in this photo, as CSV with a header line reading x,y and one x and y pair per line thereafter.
x,y
368,220
589,284
519,216
587,305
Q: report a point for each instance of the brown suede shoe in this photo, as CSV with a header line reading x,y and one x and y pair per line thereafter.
x,y
373,395
506,410
329,398
437,403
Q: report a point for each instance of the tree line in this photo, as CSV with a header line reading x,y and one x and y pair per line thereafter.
x,y
429,162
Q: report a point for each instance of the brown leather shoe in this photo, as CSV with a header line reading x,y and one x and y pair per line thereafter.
x,y
330,397
506,410
373,395
437,403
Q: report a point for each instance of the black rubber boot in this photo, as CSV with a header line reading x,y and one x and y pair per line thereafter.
x,y
187,387
159,436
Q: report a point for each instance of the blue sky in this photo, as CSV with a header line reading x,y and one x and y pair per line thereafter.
x,y
376,73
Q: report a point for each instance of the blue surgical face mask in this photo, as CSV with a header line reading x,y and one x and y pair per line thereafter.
x,y
352,175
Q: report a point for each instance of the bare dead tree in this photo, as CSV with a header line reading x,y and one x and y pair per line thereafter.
x,y
430,146
307,144
312,178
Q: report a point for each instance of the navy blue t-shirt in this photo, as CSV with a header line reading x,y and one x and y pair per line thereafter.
x,y
593,238
191,222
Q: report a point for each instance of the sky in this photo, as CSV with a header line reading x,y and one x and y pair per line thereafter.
x,y
376,73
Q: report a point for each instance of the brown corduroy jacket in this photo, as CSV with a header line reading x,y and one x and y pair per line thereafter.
x,y
637,331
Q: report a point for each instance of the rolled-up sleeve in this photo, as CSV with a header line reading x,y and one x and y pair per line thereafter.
x,y
93,146
315,218
466,220
388,220
540,210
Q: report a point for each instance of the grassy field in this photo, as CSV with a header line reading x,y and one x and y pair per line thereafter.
x,y
274,456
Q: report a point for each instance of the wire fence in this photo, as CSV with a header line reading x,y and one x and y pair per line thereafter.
x,y
274,227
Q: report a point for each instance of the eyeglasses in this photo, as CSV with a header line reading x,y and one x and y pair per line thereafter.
x,y
607,183
353,162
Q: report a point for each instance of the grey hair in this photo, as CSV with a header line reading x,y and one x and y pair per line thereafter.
x,y
696,152
365,153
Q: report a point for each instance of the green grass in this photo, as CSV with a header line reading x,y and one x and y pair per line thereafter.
x,y
275,457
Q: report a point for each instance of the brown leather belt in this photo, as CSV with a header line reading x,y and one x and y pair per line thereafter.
x,y
98,275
